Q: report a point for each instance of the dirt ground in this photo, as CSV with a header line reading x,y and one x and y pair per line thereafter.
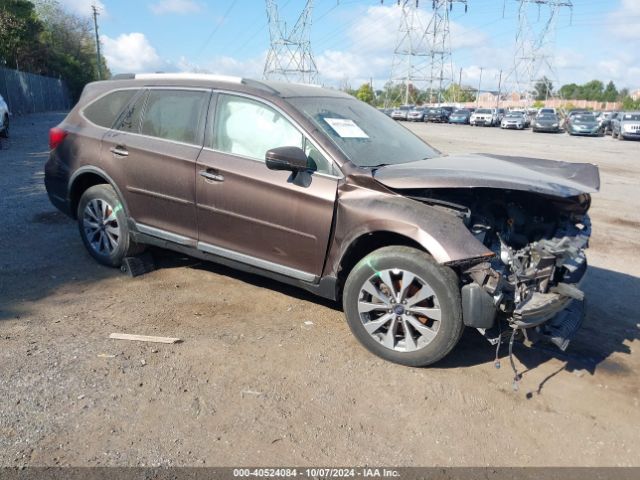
x,y
254,383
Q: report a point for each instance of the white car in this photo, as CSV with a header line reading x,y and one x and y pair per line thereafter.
x,y
486,117
4,118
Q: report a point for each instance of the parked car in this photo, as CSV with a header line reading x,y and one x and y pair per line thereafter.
x,y
436,114
547,111
314,188
546,122
500,113
448,109
584,124
460,116
4,118
485,117
401,113
627,126
416,114
516,120
386,111
608,124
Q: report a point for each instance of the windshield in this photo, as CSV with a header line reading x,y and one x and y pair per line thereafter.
x,y
367,137
484,110
461,112
584,118
635,117
515,115
547,116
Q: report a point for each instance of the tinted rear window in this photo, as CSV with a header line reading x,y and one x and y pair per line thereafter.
x,y
105,110
175,115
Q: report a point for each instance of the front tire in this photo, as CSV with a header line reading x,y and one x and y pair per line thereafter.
x,y
404,307
103,226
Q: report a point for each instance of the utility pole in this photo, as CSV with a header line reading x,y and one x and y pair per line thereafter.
x,y
422,57
290,58
479,85
98,56
499,90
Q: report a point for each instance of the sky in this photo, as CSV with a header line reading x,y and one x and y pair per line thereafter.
x,y
353,40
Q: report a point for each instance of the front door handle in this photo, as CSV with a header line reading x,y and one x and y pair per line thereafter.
x,y
210,174
120,151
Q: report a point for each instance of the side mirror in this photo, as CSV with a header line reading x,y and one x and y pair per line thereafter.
x,y
292,159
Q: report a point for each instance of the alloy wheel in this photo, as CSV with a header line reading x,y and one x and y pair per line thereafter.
x,y
101,227
399,310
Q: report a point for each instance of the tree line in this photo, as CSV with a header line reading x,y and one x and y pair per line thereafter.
x,y
594,90
41,37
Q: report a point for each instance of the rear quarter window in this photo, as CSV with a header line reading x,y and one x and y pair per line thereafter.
x,y
105,110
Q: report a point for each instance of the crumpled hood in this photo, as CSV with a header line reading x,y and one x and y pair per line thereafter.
x,y
561,179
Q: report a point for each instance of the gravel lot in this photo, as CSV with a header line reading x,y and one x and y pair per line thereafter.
x,y
255,383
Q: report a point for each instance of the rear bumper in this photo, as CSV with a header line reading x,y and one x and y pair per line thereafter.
x,y
56,181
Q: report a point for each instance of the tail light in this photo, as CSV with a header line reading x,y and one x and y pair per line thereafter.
x,y
56,136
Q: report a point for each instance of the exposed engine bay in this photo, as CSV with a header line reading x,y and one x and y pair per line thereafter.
x,y
532,281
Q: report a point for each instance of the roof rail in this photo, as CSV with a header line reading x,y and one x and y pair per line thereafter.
x,y
124,76
187,76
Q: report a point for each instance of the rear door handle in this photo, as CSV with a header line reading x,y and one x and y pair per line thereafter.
x,y
210,174
120,151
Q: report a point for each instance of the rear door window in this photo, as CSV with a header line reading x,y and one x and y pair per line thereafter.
x,y
105,110
132,115
176,115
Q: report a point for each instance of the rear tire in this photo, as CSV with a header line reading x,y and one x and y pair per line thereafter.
x,y
416,333
103,226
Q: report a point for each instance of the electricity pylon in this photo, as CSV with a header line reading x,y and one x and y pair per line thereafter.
x,y
290,58
422,57
535,42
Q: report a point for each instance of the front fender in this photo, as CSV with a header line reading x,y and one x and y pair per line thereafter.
x,y
361,211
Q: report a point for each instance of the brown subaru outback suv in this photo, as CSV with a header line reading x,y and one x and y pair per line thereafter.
x,y
314,188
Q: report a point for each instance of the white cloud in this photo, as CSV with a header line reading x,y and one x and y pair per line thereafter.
x,y
175,6
368,52
131,52
621,21
83,7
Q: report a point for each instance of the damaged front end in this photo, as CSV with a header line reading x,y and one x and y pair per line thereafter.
x,y
532,284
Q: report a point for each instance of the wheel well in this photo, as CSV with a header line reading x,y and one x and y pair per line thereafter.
x,y
364,245
81,185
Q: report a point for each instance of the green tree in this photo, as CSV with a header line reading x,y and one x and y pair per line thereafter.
x,y
542,89
592,90
20,29
455,93
610,93
365,93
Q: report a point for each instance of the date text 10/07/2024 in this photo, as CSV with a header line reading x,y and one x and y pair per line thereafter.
x,y
315,472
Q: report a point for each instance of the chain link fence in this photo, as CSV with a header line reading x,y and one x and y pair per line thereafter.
x,y
30,93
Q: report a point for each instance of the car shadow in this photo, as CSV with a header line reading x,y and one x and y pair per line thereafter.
x,y
168,259
612,322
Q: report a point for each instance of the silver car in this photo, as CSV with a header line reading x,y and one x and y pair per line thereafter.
x,y
401,113
626,126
